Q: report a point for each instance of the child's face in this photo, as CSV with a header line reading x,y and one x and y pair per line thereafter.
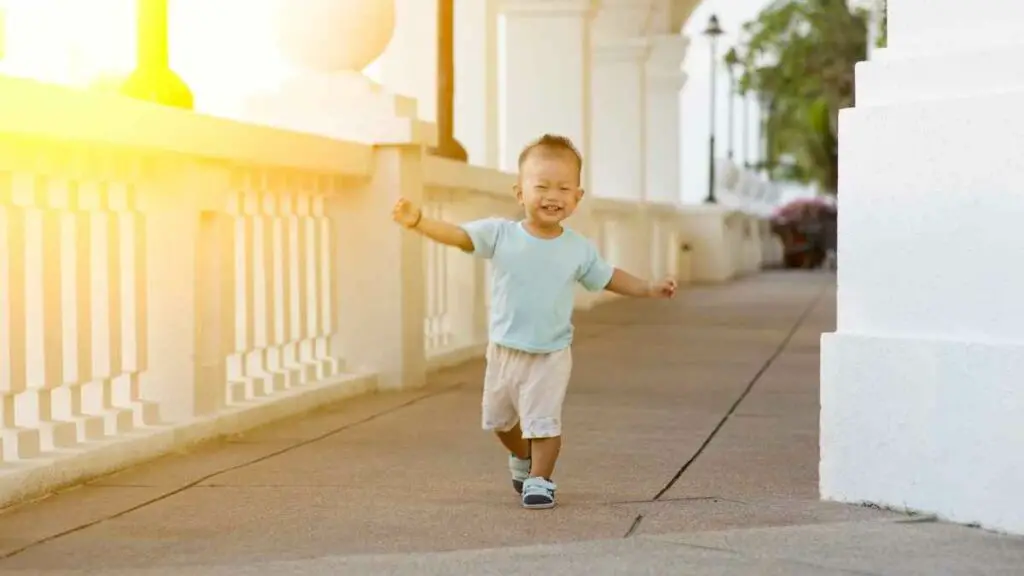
x,y
549,186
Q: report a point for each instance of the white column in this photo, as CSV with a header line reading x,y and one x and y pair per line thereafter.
x,y
618,158
922,384
619,96
476,80
665,79
544,71
408,65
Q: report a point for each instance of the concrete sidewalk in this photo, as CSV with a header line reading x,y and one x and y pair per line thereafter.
x,y
685,419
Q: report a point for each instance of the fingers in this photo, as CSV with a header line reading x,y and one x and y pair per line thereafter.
x,y
402,209
402,205
669,286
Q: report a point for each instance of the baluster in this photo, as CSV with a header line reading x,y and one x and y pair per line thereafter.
x,y
146,413
271,352
443,254
326,365
430,271
307,285
289,304
45,307
255,376
83,199
237,390
17,442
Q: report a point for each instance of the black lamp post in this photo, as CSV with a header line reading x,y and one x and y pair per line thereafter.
x,y
447,145
766,136
746,130
153,79
713,31
732,60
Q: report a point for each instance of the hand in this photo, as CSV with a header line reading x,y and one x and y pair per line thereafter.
x,y
406,213
663,289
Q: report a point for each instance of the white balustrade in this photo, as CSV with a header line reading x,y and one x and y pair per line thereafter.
x,y
73,290
163,270
280,244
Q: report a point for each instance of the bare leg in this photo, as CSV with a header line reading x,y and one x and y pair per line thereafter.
x,y
514,442
545,453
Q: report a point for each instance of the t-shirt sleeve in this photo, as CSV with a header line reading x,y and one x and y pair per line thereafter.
x,y
485,234
595,273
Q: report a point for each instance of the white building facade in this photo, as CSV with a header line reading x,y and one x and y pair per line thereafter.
x,y
922,384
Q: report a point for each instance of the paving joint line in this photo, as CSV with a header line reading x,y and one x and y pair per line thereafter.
x,y
194,483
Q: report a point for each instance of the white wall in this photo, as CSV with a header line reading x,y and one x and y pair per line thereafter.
x,y
922,392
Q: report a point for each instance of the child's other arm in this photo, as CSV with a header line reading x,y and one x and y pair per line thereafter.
x,y
596,274
626,284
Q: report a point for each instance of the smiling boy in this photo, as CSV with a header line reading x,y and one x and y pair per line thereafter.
x,y
536,264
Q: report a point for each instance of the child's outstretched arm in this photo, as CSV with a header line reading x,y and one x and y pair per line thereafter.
x,y
596,274
411,216
626,284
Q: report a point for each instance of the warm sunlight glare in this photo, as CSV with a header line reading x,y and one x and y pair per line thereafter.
x,y
69,42
223,49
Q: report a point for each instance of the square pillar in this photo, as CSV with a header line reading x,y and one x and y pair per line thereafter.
x,y
619,96
922,384
476,80
665,79
544,72
382,334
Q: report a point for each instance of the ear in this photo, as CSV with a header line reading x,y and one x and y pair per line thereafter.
x,y
580,194
518,191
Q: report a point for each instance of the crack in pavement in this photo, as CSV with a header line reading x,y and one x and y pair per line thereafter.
x,y
679,499
801,319
746,391
633,527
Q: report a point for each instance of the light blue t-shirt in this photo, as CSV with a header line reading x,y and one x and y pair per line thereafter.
x,y
533,282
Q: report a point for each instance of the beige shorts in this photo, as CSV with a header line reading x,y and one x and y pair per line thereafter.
x,y
525,388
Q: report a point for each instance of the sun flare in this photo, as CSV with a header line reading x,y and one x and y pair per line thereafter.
x,y
221,48
68,42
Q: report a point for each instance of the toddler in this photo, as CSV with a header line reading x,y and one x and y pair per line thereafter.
x,y
536,263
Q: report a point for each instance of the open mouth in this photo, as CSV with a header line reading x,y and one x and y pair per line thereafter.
x,y
551,209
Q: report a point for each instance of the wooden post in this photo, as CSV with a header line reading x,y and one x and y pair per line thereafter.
x,y
447,145
153,80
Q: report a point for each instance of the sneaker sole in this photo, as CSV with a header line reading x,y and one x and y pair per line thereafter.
x,y
544,506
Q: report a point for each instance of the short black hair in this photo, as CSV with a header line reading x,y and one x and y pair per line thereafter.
x,y
553,142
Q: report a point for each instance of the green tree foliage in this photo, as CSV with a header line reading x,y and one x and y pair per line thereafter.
x,y
799,55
